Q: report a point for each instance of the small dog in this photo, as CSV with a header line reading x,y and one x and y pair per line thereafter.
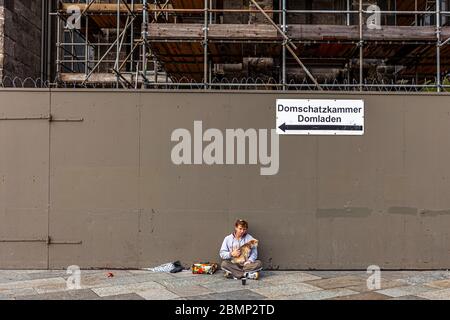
x,y
245,252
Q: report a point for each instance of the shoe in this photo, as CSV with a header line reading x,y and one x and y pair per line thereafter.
x,y
253,275
227,274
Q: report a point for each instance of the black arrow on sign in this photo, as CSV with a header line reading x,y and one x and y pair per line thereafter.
x,y
284,127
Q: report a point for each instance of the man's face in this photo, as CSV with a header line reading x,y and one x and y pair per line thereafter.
x,y
240,230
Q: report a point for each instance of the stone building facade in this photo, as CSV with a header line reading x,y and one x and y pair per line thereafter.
x,y
20,38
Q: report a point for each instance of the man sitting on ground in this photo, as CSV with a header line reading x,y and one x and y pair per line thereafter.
x,y
230,249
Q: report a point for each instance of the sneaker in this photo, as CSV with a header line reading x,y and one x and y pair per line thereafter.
x,y
253,275
227,274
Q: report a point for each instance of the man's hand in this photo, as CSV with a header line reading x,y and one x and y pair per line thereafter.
x,y
247,262
236,253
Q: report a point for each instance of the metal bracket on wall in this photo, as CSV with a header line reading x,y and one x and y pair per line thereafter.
x,y
49,118
47,240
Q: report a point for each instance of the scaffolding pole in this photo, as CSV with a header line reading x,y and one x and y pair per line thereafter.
x,y
131,40
58,46
438,45
86,49
122,34
155,61
70,57
416,20
348,12
116,65
284,28
205,47
289,45
361,46
144,41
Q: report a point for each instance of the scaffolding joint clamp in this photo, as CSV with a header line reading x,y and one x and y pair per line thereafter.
x,y
287,41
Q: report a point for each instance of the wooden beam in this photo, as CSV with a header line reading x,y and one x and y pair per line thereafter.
x,y
216,31
107,7
351,33
159,31
95,77
80,78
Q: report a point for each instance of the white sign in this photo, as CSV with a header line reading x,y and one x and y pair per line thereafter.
x,y
320,117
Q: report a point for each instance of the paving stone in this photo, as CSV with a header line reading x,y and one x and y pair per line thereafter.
x,y
85,294
13,277
426,277
180,282
187,291
102,280
152,277
13,293
397,275
140,271
318,295
363,296
442,284
184,273
157,294
404,291
127,288
215,280
338,282
231,295
128,296
31,283
116,273
285,289
143,271
23,272
408,298
233,285
289,278
98,271
416,277
51,288
443,294
114,281
267,273
6,298
384,284
334,274
49,274
298,285
102,274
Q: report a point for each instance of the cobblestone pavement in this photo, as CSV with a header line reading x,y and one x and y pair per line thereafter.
x,y
139,284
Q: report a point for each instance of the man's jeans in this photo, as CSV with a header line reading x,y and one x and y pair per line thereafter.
x,y
237,270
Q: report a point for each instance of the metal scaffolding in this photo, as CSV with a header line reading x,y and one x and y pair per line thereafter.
x,y
115,45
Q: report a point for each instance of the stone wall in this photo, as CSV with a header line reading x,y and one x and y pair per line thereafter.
x,y
2,56
316,18
252,18
20,38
